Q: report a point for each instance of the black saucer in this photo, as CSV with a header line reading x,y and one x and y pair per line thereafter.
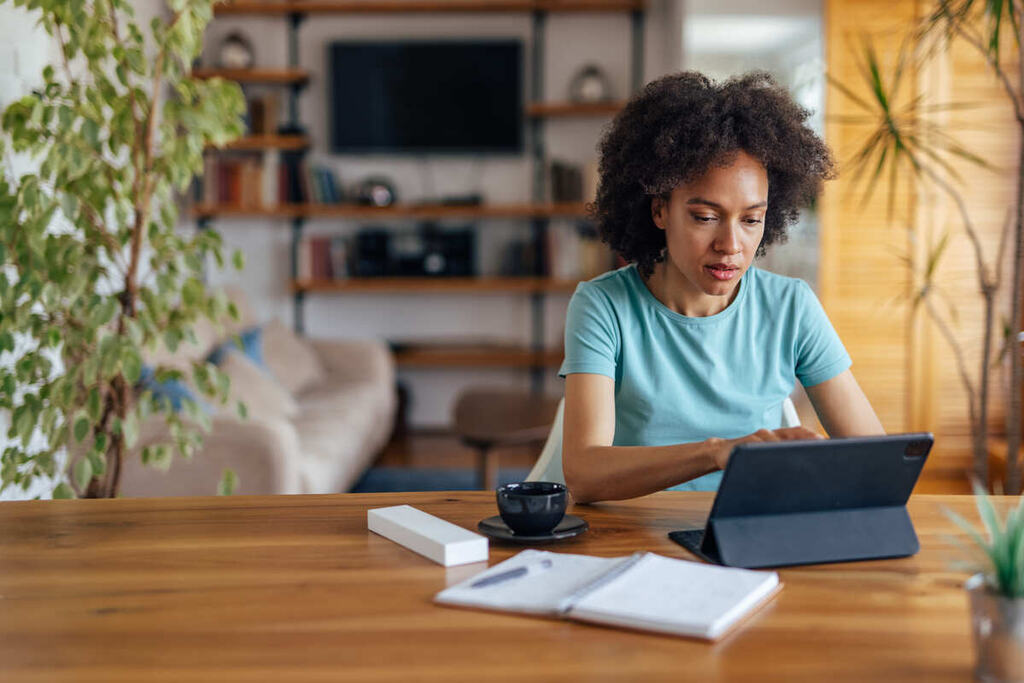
x,y
495,527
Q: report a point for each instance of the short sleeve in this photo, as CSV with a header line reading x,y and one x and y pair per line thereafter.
x,y
591,335
820,355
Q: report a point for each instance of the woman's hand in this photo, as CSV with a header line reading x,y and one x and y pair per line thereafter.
x,y
722,448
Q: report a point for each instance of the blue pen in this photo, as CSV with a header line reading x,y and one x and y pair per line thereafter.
x,y
511,574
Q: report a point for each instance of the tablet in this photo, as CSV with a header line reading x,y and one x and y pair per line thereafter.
x,y
806,502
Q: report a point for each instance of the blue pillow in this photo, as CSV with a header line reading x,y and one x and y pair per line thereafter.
x,y
172,391
252,347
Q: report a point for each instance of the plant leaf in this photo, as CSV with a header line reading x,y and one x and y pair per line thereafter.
x,y
81,426
228,483
63,491
83,472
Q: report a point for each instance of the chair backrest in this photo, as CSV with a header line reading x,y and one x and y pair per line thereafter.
x,y
790,418
549,464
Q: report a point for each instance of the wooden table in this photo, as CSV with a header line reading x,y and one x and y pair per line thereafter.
x,y
294,588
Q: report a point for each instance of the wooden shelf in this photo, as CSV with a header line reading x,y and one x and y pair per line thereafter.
x,y
278,76
434,285
258,142
270,7
558,109
235,211
468,356
351,211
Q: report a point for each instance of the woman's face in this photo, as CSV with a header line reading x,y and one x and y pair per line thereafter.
x,y
713,227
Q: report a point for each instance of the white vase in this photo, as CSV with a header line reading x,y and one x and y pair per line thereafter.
x,y
998,625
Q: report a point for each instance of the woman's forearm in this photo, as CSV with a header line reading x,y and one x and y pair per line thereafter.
x,y
617,472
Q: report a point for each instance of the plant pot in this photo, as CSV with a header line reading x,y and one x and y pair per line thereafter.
x,y
998,625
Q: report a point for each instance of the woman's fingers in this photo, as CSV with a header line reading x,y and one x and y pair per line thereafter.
x,y
796,434
723,447
768,435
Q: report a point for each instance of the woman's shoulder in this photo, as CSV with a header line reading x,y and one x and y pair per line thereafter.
x,y
775,285
612,285
775,291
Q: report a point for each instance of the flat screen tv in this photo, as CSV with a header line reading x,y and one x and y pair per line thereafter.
x,y
412,97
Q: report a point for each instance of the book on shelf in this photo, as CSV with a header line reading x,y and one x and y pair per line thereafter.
x,y
262,113
266,180
322,258
235,182
303,183
643,591
271,169
575,252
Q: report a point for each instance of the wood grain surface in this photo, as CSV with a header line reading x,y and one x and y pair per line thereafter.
x,y
295,588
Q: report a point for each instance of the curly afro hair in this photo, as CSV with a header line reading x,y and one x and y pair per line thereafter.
x,y
676,128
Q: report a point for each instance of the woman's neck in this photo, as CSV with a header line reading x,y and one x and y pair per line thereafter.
x,y
679,294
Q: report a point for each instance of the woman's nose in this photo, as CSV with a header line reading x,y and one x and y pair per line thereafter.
x,y
728,240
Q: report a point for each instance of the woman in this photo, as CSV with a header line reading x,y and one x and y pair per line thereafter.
x,y
689,350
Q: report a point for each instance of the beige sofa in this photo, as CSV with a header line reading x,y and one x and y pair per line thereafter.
x,y
338,399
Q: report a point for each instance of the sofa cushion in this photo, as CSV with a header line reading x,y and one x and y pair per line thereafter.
x,y
264,455
251,341
171,392
290,359
186,353
207,333
263,396
341,428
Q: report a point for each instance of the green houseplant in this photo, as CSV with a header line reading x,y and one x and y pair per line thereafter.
x,y
997,590
95,273
904,143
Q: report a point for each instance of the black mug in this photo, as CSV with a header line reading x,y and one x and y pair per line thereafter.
x,y
532,508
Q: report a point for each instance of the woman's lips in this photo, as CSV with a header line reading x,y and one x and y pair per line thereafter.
x,y
722,272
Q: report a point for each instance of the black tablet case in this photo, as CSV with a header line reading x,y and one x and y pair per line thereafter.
x,y
809,502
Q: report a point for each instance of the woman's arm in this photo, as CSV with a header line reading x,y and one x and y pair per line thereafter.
x,y
596,470
843,408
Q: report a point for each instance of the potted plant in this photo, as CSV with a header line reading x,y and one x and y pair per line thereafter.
x,y
95,272
996,590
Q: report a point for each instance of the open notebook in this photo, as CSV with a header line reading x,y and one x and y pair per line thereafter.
x,y
643,591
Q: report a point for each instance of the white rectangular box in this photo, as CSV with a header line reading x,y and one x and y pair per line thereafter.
x,y
430,536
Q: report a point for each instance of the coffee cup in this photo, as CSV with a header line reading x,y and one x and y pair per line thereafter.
x,y
532,508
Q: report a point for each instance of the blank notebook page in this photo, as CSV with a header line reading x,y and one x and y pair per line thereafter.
x,y
676,596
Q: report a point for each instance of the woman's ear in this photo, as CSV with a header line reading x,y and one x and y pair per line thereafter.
x,y
659,207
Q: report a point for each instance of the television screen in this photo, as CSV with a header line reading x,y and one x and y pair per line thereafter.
x,y
423,97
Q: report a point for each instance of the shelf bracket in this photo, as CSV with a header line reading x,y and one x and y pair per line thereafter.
x,y
637,43
298,297
537,97
294,21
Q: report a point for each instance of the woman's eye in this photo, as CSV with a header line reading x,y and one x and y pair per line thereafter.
x,y
703,219
754,221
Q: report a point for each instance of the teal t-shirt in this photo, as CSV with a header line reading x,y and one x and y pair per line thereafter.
x,y
680,379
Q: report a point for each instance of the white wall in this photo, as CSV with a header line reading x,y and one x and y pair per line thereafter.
x,y
572,40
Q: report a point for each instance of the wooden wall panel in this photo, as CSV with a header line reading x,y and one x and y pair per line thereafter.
x,y
861,283
990,132
901,361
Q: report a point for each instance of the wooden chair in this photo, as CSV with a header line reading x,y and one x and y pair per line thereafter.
x,y
488,419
